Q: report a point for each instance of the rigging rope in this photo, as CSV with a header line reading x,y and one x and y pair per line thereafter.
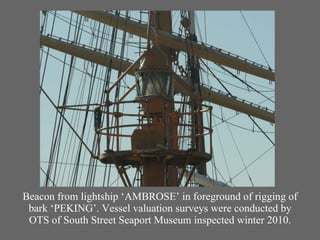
x,y
91,171
232,95
264,133
48,177
235,125
223,153
250,164
224,87
268,89
57,131
249,86
241,158
252,34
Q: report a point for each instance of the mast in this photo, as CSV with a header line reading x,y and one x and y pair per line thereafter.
x,y
155,93
154,142
193,65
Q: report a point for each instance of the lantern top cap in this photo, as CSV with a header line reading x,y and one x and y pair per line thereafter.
x,y
155,60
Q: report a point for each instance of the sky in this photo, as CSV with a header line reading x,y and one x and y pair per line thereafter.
x,y
242,155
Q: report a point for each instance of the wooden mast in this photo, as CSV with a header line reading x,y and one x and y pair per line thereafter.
x,y
158,106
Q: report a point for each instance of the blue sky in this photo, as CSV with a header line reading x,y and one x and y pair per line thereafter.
x,y
236,143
